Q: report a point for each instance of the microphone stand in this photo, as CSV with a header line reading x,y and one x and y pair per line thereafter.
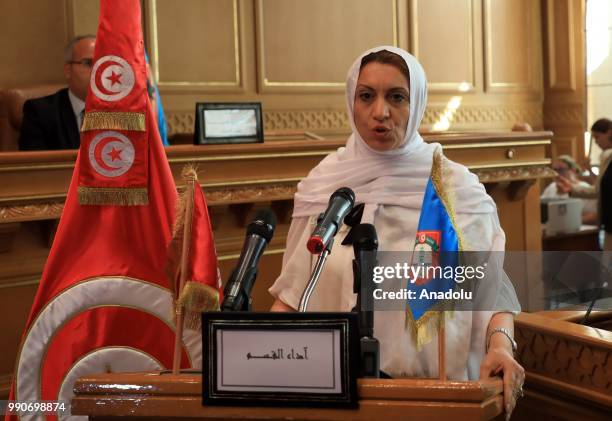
x,y
314,277
363,264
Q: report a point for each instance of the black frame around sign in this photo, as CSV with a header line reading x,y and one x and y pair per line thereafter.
x,y
349,348
199,136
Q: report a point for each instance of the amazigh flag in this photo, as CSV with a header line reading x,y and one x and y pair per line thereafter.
x,y
437,245
104,302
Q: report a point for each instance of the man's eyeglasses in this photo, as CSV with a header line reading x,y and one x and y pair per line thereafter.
x,y
84,62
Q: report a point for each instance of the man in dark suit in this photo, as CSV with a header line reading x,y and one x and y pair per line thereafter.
x,y
53,122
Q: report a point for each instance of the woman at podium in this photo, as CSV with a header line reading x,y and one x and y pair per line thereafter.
x,y
388,166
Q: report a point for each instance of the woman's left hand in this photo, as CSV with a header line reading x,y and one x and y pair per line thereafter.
x,y
500,360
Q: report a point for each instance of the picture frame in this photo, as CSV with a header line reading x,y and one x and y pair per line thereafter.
x,y
259,359
228,123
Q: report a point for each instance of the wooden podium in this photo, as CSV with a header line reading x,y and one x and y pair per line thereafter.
x,y
164,396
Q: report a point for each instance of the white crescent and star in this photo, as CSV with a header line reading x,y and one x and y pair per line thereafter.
x,y
112,78
111,154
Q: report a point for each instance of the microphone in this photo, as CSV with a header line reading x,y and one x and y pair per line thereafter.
x,y
365,246
340,204
237,292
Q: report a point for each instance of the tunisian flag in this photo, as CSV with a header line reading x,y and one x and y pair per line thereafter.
x,y
104,302
193,252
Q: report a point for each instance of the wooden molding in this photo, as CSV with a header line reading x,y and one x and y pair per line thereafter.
x,y
514,174
566,358
32,212
314,120
568,114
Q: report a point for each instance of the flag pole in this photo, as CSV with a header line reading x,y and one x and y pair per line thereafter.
x,y
442,348
189,192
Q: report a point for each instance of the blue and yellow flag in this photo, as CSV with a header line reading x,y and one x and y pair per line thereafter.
x,y
435,254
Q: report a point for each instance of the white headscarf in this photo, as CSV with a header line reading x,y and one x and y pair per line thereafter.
x,y
393,177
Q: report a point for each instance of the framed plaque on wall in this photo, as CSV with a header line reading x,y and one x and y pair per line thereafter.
x,y
228,122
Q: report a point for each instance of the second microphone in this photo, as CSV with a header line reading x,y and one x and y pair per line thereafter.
x,y
237,292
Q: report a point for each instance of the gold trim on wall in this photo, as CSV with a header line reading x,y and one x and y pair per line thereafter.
x,y
292,180
497,144
195,87
540,162
301,85
565,115
468,116
445,87
514,174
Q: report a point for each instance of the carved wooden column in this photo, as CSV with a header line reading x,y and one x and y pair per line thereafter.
x,y
564,75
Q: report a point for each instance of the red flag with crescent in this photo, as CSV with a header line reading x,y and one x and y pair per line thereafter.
x,y
194,243
114,162
104,302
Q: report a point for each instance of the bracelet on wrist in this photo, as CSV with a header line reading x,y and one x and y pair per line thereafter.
x,y
506,333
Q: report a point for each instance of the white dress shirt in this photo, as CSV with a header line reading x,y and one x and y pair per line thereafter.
x,y
78,107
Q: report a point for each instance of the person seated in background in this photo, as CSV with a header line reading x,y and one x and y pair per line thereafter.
x,y
53,122
565,166
602,190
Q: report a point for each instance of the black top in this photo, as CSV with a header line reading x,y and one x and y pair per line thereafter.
x,y
49,123
605,190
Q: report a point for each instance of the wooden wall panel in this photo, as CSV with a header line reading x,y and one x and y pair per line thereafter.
x,y
83,17
261,50
33,34
509,45
561,72
195,45
311,44
448,56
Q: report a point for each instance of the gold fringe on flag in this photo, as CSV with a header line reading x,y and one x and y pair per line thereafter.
x,y
176,245
196,298
103,120
440,178
113,196
424,329
427,327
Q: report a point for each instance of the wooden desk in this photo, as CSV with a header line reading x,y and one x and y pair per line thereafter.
x,y
238,180
586,239
167,396
568,367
